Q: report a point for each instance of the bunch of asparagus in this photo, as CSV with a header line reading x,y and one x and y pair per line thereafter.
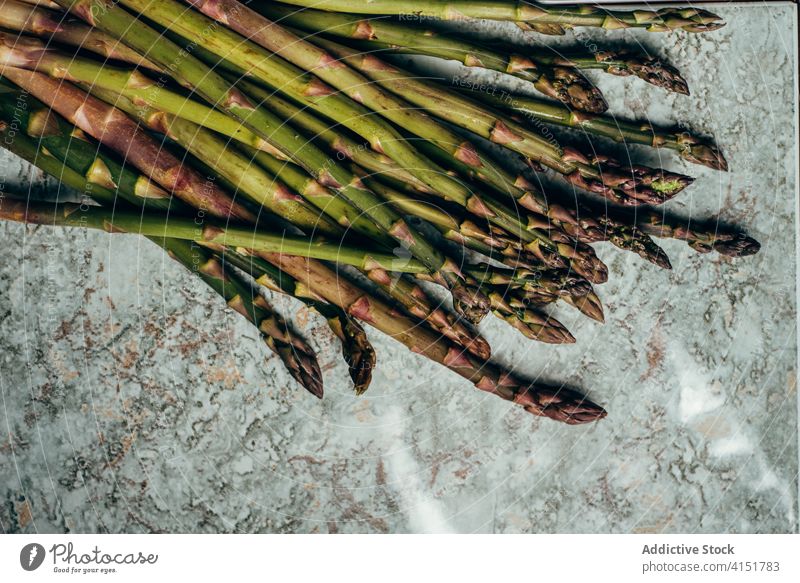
x,y
280,146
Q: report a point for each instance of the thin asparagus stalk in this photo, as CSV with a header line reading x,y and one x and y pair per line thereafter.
x,y
117,131
296,355
152,225
598,174
109,17
689,147
560,404
559,82
703,237
536,66
356,348
34,19
662,20
622,64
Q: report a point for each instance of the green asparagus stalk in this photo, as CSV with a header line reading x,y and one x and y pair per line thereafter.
x,y
29,150
118,132
557,403
67,143
208,232
42,22
662,20
356,348
622,64
296,355
688,146
598,174
248,178
559,82
312,58
107,16
147,101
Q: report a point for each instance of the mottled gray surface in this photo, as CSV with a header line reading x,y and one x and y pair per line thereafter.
x,y
133,401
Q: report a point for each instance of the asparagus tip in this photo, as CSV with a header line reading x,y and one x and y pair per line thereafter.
x,y
739,245
563,405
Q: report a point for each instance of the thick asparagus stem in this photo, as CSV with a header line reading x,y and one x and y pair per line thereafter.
x,y
117,131
296,355
688,146
563,83
598,174
663,20
561,404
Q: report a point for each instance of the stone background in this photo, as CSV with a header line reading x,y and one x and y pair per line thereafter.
x,y
134,401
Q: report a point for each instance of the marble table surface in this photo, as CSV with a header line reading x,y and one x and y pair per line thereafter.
x,y
134,401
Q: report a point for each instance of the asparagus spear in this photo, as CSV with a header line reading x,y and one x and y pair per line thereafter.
x,y
597,173
114,129
688,146
662,20
557,403
559,82
504,217
109,17
356,348
622,63
142,94
153,225
703,237
296,355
